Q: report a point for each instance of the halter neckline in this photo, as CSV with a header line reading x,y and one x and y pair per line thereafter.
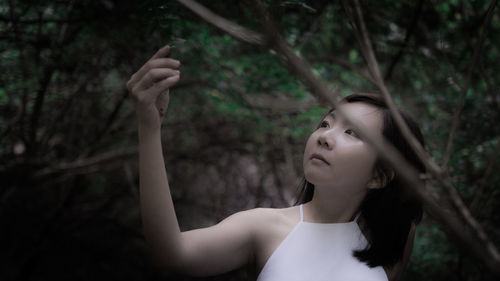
x,y
328,223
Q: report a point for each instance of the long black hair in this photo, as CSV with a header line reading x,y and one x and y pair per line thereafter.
x,y
388,212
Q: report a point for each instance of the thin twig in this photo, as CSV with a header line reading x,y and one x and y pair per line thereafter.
x,y
465,88
372,62
308,34
37,108
299,66
295,64
87,163
434,169
481,186
231,28
340,61
409,32
270,102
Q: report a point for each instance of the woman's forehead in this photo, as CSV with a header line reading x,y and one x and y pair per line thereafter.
x,y
369,115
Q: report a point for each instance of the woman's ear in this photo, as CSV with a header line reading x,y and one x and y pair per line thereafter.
x,y
381,178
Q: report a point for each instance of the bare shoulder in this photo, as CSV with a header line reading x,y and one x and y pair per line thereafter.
x,y
269,227
265,218
268,214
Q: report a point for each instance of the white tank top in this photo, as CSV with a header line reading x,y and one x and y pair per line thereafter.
x,y
320,252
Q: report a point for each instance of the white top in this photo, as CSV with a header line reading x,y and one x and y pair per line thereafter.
x,y
320,252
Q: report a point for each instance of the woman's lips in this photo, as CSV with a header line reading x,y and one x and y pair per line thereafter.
x,y
316,156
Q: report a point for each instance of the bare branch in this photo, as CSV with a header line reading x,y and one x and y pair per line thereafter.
x,y
87,163
340,61
37,108
277,104
294,63
481,186
308,32
409,33
108,124
41,21
485,250
288,55
465,88
387,151
231,28
491,257
365,45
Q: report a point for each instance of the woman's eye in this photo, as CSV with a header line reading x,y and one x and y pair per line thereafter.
x,y
352,133
324,124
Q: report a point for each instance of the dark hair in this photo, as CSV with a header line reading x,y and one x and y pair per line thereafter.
x,y
388,212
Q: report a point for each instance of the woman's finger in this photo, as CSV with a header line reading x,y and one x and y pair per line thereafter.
x,y
162,86
164,63
165,84
162,52
155,75
156,63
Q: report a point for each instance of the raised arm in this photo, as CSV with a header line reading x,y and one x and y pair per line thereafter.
x,y
208,251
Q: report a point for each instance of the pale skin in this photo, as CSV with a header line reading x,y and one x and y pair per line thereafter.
x,y
247,237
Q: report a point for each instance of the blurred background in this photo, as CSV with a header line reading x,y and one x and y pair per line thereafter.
x,y
236,127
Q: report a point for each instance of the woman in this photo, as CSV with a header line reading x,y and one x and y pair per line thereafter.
x,y
354,223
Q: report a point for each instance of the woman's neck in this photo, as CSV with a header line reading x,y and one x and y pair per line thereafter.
x,y
327,206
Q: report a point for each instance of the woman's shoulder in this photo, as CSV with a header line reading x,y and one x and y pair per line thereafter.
x,y
273,216
263,223
269,227
264,219
269,223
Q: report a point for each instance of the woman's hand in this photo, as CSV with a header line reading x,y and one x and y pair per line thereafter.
x,y
149,88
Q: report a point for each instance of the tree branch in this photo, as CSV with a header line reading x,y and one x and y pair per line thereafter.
x,y
308,31
276,104
465,88
358,69
486,250
361,33
492,257
409,33
258,39
37,109
231,28
85,164
41,21
299,66
481,186
108,124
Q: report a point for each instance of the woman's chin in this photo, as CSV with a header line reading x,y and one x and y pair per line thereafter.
x,y
314,178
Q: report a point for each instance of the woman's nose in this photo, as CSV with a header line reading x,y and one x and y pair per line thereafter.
x,y
326,139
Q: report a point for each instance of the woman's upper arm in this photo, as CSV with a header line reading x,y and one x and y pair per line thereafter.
x,y
220,248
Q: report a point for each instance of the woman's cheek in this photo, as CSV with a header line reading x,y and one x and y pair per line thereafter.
x,y
357,163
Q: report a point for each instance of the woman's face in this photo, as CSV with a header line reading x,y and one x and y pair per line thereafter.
x,y
335,156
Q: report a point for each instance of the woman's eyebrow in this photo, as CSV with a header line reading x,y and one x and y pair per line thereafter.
x,y
338,118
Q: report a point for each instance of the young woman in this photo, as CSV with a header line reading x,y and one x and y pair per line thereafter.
x,y
354,221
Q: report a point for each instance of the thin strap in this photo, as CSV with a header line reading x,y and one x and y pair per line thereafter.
x,y
357,217
301,213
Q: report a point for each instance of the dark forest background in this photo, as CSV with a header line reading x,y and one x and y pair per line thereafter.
x,y
236,127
